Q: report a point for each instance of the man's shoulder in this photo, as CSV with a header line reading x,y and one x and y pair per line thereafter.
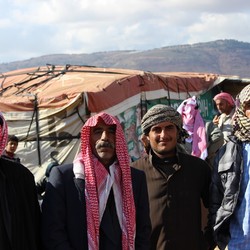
x,y
14,168
138,177
226,155
187,159
186,156
136,171
64,168
141,162
62,174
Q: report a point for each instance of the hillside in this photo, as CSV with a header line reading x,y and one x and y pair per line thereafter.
x,y
225,57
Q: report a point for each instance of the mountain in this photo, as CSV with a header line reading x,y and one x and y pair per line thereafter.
x,y
224,57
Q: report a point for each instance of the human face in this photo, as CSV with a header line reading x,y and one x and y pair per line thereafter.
x,y
247,109
223,106
11,147
163,139
102,141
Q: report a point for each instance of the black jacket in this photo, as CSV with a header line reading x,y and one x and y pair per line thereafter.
x,y
64,225
19,208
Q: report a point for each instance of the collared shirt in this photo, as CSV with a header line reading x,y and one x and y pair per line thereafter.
x,y
240,223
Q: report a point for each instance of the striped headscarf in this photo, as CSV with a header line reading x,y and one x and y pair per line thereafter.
x,y
95,176
241,122
163,113
3,133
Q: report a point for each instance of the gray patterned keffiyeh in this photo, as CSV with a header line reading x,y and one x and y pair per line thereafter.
x,y
162,113
242,123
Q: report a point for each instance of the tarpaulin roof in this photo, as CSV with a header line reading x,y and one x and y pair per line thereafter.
x,y
56,86
46,107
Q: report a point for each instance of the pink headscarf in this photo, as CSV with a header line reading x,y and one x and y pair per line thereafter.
x,y
95,174
3,133
225,96
194,125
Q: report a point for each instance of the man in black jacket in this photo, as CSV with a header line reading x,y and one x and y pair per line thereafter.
x,y
19,208
99,201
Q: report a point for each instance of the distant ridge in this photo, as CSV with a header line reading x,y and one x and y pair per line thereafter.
x,y
225,57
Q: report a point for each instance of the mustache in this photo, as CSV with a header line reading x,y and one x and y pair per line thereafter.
x,y
105,145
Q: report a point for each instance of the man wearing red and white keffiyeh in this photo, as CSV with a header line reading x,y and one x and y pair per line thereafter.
x,y
3,134
95,170
114,194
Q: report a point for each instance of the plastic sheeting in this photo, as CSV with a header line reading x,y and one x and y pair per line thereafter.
x,y
47,106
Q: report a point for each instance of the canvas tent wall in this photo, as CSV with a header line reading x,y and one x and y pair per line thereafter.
x,y
47,106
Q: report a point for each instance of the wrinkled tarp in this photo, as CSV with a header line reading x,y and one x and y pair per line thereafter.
x,y
47,106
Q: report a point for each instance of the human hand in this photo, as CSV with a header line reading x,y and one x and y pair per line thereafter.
x,y
216,120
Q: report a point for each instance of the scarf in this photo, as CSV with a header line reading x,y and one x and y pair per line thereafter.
x,y
194,125
242,123
98,183
3,134
162,113
225,96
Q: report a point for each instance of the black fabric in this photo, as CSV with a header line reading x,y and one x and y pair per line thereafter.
x,y
164,165
19,208
110,229
4,240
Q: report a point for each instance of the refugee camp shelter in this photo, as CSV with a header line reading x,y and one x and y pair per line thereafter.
x,y
46,107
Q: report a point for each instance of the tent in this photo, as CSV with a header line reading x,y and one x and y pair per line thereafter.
x,y
46,107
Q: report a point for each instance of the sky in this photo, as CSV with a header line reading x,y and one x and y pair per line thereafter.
x,y
33,28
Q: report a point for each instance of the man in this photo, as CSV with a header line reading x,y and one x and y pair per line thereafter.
x,y
176,182
93,203
230,187
19,208
10,149
226,107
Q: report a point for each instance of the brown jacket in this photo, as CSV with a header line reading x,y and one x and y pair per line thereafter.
x,y
175,207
